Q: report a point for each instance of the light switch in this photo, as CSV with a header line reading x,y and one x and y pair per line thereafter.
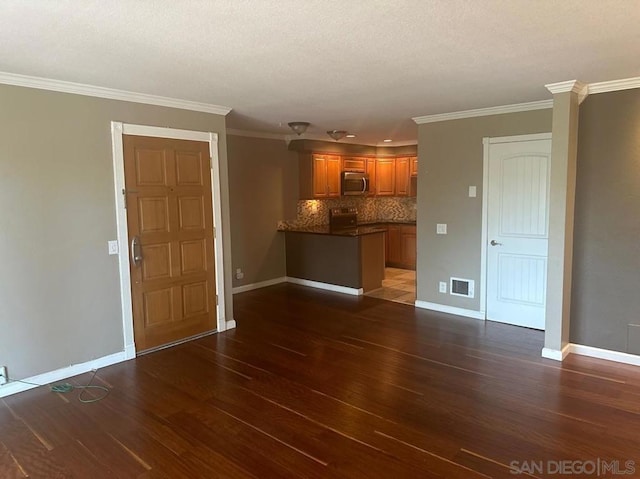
x,y
472,192
113,247
441,229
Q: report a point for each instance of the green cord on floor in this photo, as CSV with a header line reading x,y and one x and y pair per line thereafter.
x,y
62,388
68,387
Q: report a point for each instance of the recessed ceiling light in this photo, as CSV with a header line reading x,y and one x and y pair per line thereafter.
x,y
388,140
351,135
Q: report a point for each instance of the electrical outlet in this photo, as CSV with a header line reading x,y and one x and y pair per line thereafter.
x,y
443,287
239,273
4,376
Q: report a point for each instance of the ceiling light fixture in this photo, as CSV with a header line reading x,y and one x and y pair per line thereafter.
x,y
351,135
388,140
299,127
337,134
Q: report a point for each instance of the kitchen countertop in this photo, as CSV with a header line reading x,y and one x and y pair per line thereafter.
x,y
326,230
388,222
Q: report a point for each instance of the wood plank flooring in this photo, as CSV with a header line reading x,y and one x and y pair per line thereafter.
x,y
322,385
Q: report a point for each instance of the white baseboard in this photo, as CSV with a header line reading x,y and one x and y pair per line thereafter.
x,y
231,324
556,354
606,354
63,373
261,284
129,351
329,287
442,308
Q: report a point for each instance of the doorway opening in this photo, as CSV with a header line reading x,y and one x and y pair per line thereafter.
x,y
398,285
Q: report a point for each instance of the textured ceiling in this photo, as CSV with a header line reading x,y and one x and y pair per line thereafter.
x,y
366,66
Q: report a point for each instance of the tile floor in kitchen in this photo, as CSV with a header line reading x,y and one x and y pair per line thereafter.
x,y
398,285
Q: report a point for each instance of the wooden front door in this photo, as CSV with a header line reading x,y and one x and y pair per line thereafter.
x,y
170,226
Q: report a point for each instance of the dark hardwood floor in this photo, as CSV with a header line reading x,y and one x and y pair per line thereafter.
x,y
320,385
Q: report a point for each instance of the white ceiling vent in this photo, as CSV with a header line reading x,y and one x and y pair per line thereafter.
x,y
462,287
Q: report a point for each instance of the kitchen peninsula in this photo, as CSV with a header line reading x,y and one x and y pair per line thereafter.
x,y
350,260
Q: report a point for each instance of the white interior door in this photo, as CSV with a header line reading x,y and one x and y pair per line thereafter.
x,y
517,231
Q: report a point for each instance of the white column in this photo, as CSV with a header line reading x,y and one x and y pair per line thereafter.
x,y
564,143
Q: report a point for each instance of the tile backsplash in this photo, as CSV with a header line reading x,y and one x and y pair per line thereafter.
x,y
316,212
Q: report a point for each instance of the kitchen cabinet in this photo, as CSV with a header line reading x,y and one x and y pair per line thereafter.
x,y
409,246
371,171
393,176
354,163
394,245
400,247
319,176
403,166
414,166
386,177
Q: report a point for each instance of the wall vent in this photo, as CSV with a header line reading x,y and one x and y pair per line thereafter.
x,y
462,287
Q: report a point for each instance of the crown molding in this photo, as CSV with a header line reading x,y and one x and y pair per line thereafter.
x,y
108,93
493,110
614,85
256,134
566,86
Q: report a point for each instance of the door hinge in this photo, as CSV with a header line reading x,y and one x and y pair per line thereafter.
x,y
211,162
214,232
216,300
124,194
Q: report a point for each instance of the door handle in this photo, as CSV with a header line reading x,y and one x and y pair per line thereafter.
x,y
136,251
364,185
495,243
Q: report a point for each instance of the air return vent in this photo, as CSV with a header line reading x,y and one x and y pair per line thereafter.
x,y
462,287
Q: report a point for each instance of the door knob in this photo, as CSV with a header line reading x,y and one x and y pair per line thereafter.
x,y
495,243
136,251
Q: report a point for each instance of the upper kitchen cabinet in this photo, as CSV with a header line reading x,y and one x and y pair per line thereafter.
x,y
403,166
414,166
391,170
371,170
333,175
386,177
354,163
394,176
319,176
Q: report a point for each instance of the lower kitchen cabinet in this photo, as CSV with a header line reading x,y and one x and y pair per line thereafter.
x,y
400,246
394,245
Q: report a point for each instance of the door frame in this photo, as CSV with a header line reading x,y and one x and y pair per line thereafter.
x,y
486,142
117,130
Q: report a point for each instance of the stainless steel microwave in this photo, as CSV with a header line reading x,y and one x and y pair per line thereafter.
x,y
354,183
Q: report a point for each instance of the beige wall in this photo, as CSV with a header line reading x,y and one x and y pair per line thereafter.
x,y
606,261
450,155
59,290
263,186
